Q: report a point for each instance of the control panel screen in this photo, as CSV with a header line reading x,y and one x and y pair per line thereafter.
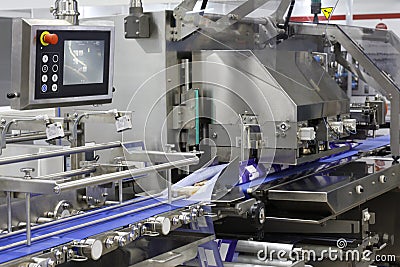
x,y
83,62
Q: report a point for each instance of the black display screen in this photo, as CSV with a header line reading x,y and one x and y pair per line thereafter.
x,y
83,62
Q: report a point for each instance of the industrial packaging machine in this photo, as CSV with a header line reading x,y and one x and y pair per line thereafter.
x,y
213,140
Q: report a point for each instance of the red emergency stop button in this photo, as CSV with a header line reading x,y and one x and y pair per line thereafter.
x,y
47,38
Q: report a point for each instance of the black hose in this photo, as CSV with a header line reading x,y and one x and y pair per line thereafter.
x,y
289,15
204,4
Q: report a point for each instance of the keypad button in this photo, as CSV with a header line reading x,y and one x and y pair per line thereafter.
x,y
54,88
55,68
44,78
54,77
45,58
55,58
44,88
45,68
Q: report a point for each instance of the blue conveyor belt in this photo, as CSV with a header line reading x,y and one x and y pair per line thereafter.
x,y
85,232
324,163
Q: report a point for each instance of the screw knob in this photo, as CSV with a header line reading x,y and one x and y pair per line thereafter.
x,y
27,171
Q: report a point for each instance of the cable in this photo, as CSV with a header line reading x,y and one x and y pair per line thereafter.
x,y
204,4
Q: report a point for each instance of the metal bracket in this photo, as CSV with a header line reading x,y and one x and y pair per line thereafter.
x,y
188,22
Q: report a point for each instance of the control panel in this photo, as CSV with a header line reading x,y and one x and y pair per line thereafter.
x,y
70,65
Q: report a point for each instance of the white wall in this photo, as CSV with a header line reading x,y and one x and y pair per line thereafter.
x,y
90,8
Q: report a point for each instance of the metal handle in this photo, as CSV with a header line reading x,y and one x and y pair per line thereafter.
x,y
172,256
27,171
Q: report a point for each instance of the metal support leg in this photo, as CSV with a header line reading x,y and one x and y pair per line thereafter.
x,y
28,176
120,198
394,126
28,218
169,186
9,213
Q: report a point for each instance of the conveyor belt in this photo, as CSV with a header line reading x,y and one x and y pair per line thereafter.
x,y
320,165
85,232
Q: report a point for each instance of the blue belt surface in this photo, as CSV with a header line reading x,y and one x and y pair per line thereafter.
x,y
85,232
320,165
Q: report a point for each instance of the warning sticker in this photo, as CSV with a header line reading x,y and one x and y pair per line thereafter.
x,y
327,11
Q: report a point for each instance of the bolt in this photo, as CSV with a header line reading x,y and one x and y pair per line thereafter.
x,y
57,189
121,240
70,253
57,254
51,263
109,242
366,216
175,220
134,233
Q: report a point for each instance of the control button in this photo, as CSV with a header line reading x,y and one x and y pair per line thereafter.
x,y
54,78
45,58
54,88
45,68
47,38
44,78
44,88
55,58
55,68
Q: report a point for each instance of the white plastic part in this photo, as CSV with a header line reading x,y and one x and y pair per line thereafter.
x,y
306,134
350,124
165,224
94,249
337,126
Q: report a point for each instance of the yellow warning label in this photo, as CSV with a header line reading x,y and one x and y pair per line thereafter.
x,y
327,11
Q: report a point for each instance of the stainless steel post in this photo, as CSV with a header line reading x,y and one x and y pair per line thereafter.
x,y
119,161
9,213
186,68
395,126
28,218
120,195
28,176
169,185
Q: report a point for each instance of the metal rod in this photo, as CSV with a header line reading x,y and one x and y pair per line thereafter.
x,y
30,137
120,195
169,186
9,212
37,238
28,218
186,68
57,153
66,174
112,177
83,215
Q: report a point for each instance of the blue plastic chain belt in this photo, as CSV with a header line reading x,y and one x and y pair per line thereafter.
x,y
85,232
